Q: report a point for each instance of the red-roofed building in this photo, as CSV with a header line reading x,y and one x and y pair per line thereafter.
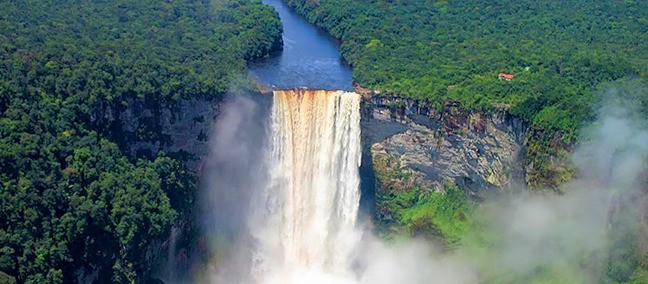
x,y
507,77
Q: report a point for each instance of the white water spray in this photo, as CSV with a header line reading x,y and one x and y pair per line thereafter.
x,y
287,207
305,224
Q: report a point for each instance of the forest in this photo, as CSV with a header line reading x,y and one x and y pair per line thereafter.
x,y
73,201
566,57
562,54
76,203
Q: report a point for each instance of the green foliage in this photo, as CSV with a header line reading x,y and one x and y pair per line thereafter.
x,y
70,198
6,279
440,216
416,49
559,51
445,211
405,208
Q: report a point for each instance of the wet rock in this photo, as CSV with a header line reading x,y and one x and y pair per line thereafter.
x,y
479,152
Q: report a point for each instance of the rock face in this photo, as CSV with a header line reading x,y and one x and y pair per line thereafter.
x,y
477,152
142,128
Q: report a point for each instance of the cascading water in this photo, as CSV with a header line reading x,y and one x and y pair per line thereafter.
x,y
305,225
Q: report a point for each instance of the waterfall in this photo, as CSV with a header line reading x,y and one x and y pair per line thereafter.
x,y
306,217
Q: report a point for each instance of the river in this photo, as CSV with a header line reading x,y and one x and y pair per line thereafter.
x,y
310,57
283,184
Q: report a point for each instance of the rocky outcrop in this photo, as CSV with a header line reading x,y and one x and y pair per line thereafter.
x,y
142,128
479,152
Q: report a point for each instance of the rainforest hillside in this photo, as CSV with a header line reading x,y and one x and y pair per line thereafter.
x,y
73,202
559,51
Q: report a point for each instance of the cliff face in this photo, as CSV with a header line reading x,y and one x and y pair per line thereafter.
x,y
142,128
430,148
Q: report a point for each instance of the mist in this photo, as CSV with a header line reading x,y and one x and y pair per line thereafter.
x,y
578,236
575,237
581,236
232,172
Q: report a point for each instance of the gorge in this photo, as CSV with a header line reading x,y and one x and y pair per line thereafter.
x,y
295,193
323,141
316,205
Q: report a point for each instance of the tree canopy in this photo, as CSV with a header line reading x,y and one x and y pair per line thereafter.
x,y
72,201
558,50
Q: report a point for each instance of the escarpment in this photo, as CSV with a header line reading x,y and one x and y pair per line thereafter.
x,y
429,147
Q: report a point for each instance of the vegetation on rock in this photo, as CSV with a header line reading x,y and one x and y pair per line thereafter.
x,y
406,207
